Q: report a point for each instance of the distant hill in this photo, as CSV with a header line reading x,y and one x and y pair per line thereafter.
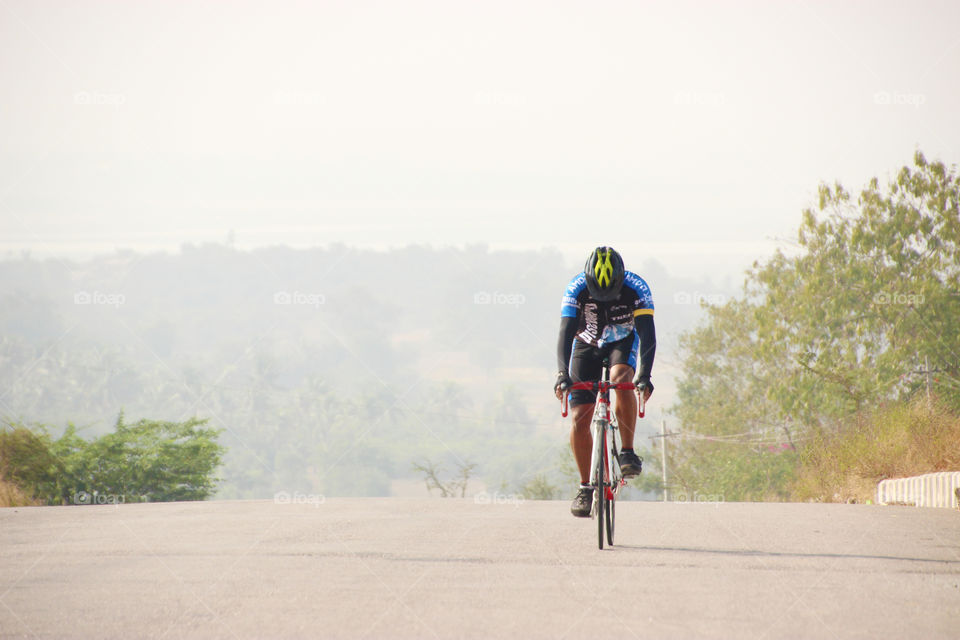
x,y
452,350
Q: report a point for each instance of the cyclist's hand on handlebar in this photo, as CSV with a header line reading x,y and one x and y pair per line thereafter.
x,y
644,386
563,383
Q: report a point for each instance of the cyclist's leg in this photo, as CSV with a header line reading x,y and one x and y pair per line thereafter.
x,y
581,440
626,407
585,366
623,361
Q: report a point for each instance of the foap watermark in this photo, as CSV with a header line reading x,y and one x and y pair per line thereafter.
x,y
716,499
896,98
498,298
84,497
699,98
696,297
99,297
496,497
285,497
299,297
898,298
95,98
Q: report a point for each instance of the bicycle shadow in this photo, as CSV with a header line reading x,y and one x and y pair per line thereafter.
x,y
777,554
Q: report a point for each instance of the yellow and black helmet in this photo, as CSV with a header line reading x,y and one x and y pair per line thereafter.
x,y
604,272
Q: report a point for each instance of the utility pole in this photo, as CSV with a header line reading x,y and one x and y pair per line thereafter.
x,y
926,366
663,453
663,456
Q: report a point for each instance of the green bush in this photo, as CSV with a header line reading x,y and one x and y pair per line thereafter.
x,y
146,461
28,468
732,471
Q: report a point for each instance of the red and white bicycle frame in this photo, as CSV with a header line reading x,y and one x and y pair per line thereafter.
x,y
604,421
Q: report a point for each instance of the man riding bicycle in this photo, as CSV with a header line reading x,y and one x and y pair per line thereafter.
x,y
607,312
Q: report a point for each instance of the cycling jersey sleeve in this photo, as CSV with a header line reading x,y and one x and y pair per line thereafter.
x,y
570,306
569,320
643,299
648,342
568,329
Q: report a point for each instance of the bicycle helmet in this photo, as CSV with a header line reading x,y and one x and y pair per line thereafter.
x,y
604,273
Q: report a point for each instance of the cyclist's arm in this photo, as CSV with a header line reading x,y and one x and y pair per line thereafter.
x,y
568,330
648,343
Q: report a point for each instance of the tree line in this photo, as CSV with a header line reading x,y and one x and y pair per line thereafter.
x,y
144,461
840,360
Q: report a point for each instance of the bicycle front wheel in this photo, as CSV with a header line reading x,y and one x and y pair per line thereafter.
x,y
601,499
601,493
611,513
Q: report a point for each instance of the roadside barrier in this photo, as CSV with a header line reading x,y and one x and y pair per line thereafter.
x,y
929,490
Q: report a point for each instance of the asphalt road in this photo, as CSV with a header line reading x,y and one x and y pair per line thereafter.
x,y
440,568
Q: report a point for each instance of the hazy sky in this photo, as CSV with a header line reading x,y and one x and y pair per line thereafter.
x,y
689,132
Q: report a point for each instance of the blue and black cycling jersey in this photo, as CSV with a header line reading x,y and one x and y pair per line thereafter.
x,y
621,330
602,323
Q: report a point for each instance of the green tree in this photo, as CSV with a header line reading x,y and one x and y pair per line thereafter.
x,y
872,297
155,461
26,460
846,323
148,460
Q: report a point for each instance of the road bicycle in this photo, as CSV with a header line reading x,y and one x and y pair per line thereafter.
x,y
605,476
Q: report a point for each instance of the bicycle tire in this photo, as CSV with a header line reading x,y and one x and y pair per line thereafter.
x,y
601,498
611,510
601,493
611,516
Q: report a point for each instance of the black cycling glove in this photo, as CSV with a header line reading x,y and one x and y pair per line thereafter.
x,y
643,382
563,381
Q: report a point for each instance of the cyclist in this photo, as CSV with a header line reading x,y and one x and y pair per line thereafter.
x,y
607,312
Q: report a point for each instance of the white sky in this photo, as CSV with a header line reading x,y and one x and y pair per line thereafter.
x,y
690,132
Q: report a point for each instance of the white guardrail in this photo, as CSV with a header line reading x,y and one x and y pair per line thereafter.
x,y
928,490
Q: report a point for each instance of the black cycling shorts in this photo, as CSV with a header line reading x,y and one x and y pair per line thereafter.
x,y
586,363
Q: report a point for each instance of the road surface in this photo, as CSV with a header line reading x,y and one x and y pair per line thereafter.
x,y
441,568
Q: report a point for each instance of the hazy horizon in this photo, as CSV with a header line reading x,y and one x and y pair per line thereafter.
x,y
691,133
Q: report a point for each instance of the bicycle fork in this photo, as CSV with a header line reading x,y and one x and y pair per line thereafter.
x,y
616,478
599,461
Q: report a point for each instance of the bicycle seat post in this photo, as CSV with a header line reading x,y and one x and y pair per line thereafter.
x,y
606,370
